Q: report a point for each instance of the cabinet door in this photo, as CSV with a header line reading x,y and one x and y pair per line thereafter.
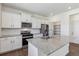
x,y
17,21
25,17
34,22
7,19
10,20
10,43
17,42
38,23
5,44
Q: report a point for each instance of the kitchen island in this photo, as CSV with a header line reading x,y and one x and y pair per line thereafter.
x,y
54,46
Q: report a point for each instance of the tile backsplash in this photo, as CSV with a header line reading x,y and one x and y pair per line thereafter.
x,y
11,31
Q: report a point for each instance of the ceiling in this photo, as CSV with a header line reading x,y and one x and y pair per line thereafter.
x,y
44,9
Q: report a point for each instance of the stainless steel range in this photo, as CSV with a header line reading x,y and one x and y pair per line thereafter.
x,y
26,35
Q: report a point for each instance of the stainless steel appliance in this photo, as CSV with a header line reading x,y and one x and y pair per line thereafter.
x,y
26,25
45,30
26,35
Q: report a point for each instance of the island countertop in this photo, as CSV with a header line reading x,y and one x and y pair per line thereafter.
x,y
48,46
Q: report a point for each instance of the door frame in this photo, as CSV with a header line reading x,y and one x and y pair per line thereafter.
x,y
71,33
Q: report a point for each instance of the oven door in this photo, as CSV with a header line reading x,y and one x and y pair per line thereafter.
x,y
24,41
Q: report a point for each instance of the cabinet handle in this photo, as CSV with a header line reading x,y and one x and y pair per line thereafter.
x,y
11,41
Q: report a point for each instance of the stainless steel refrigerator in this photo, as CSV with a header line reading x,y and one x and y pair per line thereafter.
x,y
45,29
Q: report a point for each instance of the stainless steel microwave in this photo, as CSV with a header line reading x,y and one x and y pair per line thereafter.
x,y
26,25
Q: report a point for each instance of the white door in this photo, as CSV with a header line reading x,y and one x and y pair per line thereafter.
x,y
75,28
76,31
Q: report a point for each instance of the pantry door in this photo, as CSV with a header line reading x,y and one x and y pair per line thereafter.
x,y
75,28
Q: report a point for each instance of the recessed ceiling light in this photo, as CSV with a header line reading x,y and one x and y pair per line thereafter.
x,y
69,7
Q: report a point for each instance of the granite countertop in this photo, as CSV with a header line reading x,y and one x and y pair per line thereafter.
x,y
50,45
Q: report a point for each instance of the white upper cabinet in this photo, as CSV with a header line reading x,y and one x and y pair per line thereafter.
x,y
11,20
42,21
25,17
36,23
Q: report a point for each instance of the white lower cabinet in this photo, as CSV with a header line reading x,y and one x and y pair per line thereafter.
x,y
10,43
17,42
5,44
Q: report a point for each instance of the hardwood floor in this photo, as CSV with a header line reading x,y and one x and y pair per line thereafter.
x,y
73,51
20,52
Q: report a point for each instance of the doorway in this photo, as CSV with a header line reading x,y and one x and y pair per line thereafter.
x,y
74,28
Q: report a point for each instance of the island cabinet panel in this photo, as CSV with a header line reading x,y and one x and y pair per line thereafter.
x,y
61,51
32,50
10,43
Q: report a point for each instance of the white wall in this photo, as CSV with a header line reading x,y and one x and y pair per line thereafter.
x,y
64,18
64,21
